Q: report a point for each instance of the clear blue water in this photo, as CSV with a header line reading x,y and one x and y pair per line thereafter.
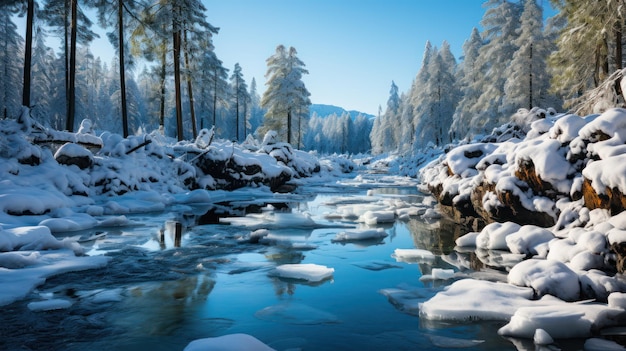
x,y
215,284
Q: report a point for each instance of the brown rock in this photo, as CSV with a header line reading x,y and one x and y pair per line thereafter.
x,y
612,200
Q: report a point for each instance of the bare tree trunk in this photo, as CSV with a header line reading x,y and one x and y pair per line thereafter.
x,y
162,100
215,98
530,80
72,69
192,109
237,107
289,125
619,64
28,53
179,112
120,30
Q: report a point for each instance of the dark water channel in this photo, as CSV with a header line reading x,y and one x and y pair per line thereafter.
x,y
160,291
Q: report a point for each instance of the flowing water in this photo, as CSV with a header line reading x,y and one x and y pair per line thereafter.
x,y
160,291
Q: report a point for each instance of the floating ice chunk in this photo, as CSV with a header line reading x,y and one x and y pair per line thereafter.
x,y
273,220
375,217
305,271
453,343
413,255
296,313
49,305
546,277
230,342
597,344
365,234
470,299
408,299
542,337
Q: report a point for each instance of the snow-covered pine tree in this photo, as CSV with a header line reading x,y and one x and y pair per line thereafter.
x,y
11,44
589,47
383,134
500,23
41,78
256,112
417,93
360,139
469,74
213,92
286,97
240,103
58,16
439,99
528,82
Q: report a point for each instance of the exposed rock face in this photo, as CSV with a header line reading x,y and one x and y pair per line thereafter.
x,y
509,208
612,200
620,252
526,172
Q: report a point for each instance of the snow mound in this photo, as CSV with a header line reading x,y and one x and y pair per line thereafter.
x,y
546,277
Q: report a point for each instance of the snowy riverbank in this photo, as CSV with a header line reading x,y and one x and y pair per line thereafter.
x,y
58,182
551,194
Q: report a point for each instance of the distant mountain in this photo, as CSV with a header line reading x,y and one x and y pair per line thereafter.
x,y
327,110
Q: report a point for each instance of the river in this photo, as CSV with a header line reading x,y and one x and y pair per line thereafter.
x,y
162,290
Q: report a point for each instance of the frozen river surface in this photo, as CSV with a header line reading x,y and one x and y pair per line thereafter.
x,y
161,290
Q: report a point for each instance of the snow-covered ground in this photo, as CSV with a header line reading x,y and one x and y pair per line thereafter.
x,y
58,182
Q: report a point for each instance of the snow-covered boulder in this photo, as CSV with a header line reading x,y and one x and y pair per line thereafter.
x,y
73,154
546,277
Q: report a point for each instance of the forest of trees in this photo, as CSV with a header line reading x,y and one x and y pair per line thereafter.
x,y
183,85
519,60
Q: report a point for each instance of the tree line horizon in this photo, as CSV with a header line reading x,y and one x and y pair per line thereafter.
x,y
517,61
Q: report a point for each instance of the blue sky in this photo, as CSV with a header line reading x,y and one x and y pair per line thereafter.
x,y
353,49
